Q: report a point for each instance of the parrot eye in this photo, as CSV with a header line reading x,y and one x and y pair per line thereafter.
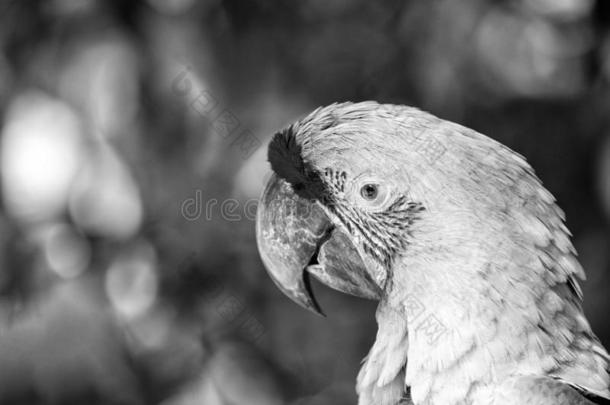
x,y
369,191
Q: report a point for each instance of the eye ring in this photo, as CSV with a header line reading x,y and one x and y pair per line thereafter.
x,y
369,191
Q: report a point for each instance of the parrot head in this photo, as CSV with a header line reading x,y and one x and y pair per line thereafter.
x,y
350,187
450,230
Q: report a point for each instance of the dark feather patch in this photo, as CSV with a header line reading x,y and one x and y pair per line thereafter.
x,y
286,159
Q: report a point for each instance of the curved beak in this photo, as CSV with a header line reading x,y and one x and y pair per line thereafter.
x,y
296,237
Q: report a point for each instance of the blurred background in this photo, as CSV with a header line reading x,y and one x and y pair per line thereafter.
x,y
132,151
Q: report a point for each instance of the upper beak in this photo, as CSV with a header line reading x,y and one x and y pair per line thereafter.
x,y
295,237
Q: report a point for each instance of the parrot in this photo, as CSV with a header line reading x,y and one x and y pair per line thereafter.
x,y
453,233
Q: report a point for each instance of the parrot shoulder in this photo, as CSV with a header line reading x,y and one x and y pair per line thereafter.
x,y
381,380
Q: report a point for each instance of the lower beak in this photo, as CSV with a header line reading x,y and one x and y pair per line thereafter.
x,y
295,237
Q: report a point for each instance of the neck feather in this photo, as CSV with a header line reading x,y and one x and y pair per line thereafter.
x,y
490,297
